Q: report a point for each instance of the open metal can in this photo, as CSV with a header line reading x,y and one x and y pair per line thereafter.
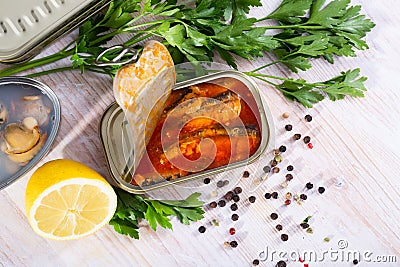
x,y
113,133
30,116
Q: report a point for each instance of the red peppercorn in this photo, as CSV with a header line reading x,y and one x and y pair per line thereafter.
x,y
310,145
232,231
287,202
305,264
301,260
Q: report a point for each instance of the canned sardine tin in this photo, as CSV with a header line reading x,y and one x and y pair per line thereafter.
x,y
211,126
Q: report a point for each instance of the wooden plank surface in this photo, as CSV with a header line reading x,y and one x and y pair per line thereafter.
x,y
356,143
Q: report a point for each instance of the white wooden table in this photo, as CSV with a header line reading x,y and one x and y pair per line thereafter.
x,y
356,142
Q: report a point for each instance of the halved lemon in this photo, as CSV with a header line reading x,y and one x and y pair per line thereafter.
x,y
65,199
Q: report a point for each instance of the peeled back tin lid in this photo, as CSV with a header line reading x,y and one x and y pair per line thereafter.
x,y
26,26
29,121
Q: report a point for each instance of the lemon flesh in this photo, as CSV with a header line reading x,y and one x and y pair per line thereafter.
x,y
65,200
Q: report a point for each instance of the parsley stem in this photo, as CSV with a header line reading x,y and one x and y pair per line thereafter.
x,y
36,74
266,65
35,63
253,74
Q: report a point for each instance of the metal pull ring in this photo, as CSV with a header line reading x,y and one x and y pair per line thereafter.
x,y
124,51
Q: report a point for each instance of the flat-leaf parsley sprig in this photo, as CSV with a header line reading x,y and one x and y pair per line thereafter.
x,y
133,208
307,29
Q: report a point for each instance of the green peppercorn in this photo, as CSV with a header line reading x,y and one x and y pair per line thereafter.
x,y
278,158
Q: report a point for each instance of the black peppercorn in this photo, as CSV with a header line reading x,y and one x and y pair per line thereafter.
x,y
246,174
207,180
279,227
221,203
288,127
274,216
228,196
303,196
237,190
256,262
281,264
267,169
282,149
252,199
321,190
220,184
284,237
308,118
233,244
290,168
274,195
355,262
236,198
309,185
234,207
304,225
213,204
306,139
235,217
267,195
289,177
202,229
274,163
297,136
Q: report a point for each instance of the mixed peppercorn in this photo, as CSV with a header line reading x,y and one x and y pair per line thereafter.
x,y
271,168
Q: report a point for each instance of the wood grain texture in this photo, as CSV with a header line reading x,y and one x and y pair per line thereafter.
x,y
356,142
